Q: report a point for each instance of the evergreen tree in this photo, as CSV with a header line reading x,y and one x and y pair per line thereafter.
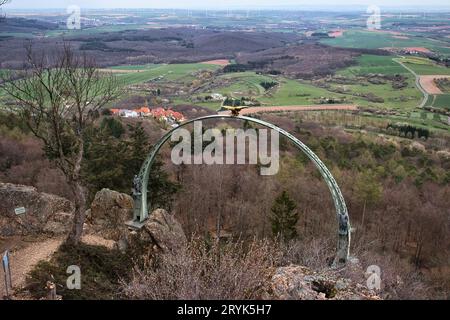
x,y
105,166
112,163
368,190
112,127
161,189
284,217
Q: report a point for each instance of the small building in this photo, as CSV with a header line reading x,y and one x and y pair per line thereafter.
x,y
129,114
161,114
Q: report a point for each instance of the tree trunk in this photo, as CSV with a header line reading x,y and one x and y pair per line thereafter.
x,y
363,216
76,233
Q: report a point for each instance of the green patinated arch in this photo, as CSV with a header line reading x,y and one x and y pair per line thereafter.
x,y
141,207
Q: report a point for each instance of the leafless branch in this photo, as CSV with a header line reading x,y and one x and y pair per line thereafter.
x,y
58,97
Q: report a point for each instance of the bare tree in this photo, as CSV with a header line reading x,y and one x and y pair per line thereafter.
x,y
2,3
58,97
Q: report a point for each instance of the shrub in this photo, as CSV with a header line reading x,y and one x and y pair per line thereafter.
x,y
201,271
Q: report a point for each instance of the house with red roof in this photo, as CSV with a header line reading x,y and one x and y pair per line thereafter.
x,y
161,114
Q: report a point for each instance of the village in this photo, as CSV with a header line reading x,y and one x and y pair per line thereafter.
x,y
171,117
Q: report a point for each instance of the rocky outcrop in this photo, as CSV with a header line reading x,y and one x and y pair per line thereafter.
x,y
163,232
108,214
43,212
300,283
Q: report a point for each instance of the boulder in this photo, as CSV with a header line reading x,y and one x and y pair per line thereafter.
x,y
163,232
300,283
108,214
43,212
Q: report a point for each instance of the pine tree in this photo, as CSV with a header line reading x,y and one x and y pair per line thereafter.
x,y
112,163
161,189
284,217
105,166
112,127
368,190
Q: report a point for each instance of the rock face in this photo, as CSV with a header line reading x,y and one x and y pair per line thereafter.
x,y
300,283
164,232
108,214
44,212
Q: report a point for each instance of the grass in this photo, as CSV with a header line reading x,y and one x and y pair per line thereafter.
x,y
292,92
94,30
374,40
423,66
423,70
399,99
244,84
288,92
373,64
135,67
170,72
442,101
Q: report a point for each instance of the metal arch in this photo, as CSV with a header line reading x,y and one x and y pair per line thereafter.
x,y
142,207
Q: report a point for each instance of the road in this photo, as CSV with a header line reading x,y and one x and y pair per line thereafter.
x,y
418,85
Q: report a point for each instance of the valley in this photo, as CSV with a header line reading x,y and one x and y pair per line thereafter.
x,y
81,111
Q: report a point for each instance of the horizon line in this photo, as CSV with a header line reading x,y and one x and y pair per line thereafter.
x,y
275,8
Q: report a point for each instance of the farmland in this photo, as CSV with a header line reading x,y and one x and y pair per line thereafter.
x,y
372,82
164,72
423,66
442,101
380,39
182,57
84,109
373,64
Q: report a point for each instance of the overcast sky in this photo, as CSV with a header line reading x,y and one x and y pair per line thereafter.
x,y
221,4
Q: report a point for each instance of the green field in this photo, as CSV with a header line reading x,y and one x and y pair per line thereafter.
x,y
243,84
287,92
94,30
169,72
367,64
423,66
374,40
136,67
400,99
292,92
442,101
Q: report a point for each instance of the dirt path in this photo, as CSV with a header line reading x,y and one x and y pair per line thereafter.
x,y
23,260
27,255
218,62
428,84
253,110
